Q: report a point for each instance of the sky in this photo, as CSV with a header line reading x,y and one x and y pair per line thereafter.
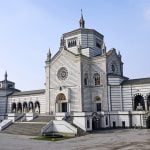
x,y
28,28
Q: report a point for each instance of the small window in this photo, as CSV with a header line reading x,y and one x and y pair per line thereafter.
x,y
98,45
72,43
98,106
113,68
86,79
106,121
96,79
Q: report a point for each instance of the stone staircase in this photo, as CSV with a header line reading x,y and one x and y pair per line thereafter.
x,y
80,132
31,128
43,119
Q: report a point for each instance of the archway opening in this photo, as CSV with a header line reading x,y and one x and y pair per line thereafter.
x,y
31,107
25,107
95,123
61,101
19,107
37,107
13,107
139,103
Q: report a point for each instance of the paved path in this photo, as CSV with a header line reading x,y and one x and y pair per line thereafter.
x,y
128,139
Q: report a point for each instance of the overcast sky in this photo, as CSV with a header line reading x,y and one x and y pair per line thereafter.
x,y
28,28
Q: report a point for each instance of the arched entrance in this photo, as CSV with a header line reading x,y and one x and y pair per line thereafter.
x,y
61,103
31,109
139,103
13,108
19,107
148,103
37,107
25,107
96,123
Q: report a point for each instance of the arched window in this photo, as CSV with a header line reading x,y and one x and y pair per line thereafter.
x,y
60,97
86,79
113,69
72,43
139,103
96,79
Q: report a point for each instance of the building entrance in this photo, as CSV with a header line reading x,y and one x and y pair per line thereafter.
x,y
64,107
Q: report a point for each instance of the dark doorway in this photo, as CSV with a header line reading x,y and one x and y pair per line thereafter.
x,y
148,123
13,108
19,108
98,106
114,124
139,103
95,123
148,102
123,124
64,107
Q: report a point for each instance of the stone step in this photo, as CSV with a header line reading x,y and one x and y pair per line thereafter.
x,y
32,129
80,132
43,119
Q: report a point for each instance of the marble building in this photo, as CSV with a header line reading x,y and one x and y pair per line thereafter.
x,y
85,82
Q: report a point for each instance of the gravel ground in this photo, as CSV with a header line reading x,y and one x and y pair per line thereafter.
x,y
127,139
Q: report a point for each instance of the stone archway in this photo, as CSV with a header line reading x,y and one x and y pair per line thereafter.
x,y
61,103
31,108
139,104
19,108
37,107
13,107
25,107
96,122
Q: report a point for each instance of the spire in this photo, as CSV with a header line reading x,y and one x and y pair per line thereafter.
x,y
119,54
6,75
103,48
62,41
82,22
49,55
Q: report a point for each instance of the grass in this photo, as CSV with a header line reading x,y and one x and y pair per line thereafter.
x,y
48,138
